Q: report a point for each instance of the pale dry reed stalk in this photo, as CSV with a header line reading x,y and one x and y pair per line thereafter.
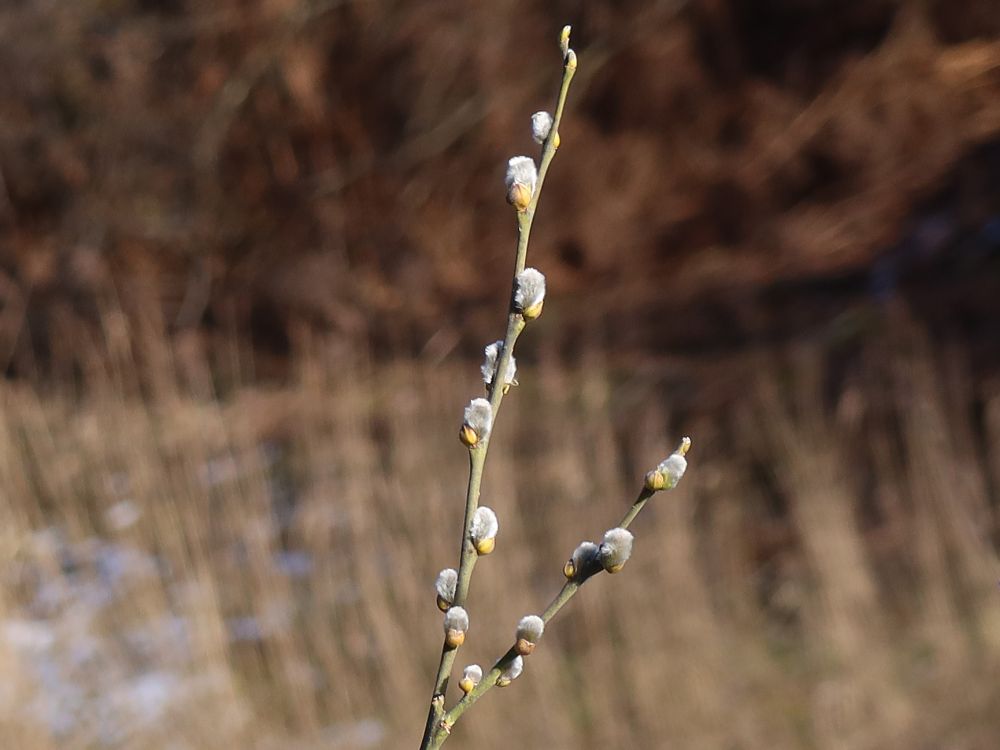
x,y
524,185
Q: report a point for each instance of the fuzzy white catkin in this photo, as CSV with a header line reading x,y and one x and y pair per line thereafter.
x,y
672,468
479,417
541,126
521,170
530,628
473,673
484,524
489,366
456,619
616,548
512,671
583,555
530,289
445,584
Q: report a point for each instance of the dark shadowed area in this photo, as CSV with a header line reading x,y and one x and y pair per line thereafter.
x,y
251,252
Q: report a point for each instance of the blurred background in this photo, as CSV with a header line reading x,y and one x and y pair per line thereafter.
x,y
250,254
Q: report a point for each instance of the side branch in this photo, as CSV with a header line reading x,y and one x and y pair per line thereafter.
x,y
664,477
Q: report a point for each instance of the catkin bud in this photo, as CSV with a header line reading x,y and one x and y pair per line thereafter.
x,y
670,470
520,180
511,672
571,60
564,40
529,630
541,126
616,549
456,625
478,422
484,530
584,559
529,293
445,585
470,678
492,361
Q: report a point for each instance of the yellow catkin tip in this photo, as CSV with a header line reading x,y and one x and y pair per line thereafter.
x,y
564,35
485,546
530,313
503,681
524,646
467,685
615,568
468,436
655,481
556,141
443,604
685,446
519,196
455,638
569,570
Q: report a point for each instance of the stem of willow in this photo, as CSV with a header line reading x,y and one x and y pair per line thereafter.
x,y
435,731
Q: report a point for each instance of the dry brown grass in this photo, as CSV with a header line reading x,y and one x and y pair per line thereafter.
x,y
181,571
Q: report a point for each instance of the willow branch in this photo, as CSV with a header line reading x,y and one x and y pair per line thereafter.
x,y
477,454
